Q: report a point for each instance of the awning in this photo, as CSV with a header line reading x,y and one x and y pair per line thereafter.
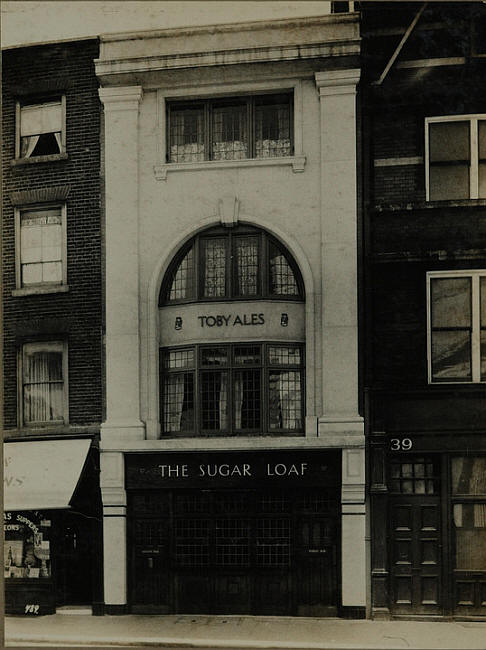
x,y
42,475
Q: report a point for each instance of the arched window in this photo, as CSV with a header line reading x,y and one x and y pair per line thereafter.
x,y
241,263
243,373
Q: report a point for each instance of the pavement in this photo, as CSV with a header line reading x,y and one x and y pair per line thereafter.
x,y
238,632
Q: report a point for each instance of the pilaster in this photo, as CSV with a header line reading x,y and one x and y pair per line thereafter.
x,y
112,479
121,107
337,95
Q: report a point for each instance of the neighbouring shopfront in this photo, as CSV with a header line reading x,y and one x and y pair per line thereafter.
x,y
429,522
234,532
52,526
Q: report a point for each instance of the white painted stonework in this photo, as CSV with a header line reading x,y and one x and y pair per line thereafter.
x,y
307,201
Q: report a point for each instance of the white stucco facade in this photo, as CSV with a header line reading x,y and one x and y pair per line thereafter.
x,y
307,201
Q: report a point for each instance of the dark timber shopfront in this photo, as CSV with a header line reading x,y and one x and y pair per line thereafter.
x,y
429,523
234,533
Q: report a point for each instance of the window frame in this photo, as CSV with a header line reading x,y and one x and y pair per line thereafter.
x,y
209,103
33,101
475,275
473,120
265,240
62,346
265,368
43,287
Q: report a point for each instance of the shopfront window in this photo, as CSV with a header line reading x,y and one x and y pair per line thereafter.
x,y
27,552
469,512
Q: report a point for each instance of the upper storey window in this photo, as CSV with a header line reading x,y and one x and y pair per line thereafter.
x,y
456,157
40,129
233,128
244,263
457,326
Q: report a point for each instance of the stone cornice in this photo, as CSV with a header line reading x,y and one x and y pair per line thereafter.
x,y
239,43
214,30
226,57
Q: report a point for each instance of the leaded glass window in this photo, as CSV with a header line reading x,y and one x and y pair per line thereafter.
x,y
232,389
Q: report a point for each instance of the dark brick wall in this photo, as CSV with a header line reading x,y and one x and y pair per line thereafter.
x,y
76,315
404,236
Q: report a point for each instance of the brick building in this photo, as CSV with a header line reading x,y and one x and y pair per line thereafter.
x,y
424,180
52,324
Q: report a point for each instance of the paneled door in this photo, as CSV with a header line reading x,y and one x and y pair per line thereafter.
x,y
415,549
415,536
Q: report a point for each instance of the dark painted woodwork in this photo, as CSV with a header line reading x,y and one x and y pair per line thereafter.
x,y
415,555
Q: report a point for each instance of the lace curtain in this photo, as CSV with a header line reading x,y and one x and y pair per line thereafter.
x,y
43,385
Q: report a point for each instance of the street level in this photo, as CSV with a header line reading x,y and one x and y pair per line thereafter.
x,y
238,632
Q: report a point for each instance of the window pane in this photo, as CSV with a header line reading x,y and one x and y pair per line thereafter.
x,y
482,158
230,138
470,536
284,355
483,355
451,356
285,400
179,359
482,181
451,302
272,127
214,401
183,281
214,274
247,399
31,274
214,357
187,134
482,139
247,266
469,475
41,246
282,279
179,402
52,272
449,141
248,355
449,182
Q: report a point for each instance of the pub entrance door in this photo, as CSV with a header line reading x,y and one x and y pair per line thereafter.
x,y
234,552
415,540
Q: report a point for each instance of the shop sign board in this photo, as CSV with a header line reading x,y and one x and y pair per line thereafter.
x,y
232,469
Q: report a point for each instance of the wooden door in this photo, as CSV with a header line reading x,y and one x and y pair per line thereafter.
x,y
415,553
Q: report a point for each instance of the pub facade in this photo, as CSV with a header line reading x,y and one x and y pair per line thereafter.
x,y
232,453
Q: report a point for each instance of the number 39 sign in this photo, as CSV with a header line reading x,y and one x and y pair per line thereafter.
x,y
401,444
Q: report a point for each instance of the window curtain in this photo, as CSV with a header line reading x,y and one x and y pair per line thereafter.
x,y
289,402
27,145
187,136
43,386
174,402
223,401
238,398
229,133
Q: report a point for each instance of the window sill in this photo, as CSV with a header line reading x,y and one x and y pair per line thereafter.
x,y
37,291
297,163
427,205
38,159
